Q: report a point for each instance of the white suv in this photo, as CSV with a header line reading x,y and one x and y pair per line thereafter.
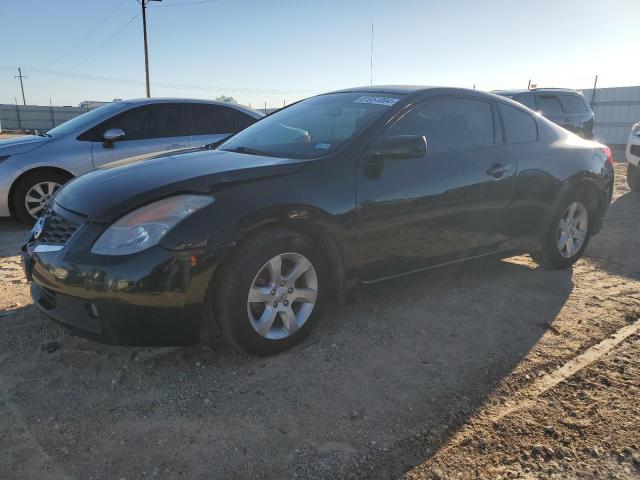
x,y
33,167
633,158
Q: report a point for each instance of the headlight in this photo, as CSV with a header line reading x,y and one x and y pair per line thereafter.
x,y
145,226
635,130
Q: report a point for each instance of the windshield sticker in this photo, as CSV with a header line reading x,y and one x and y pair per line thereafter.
x,y
324,146
386,101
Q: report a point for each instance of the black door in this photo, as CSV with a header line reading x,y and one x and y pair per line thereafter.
x,y
419,212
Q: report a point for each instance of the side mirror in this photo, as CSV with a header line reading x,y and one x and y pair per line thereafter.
x,y
398,147
112,135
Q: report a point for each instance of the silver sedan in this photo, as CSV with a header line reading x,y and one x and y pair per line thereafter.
x,y
33,167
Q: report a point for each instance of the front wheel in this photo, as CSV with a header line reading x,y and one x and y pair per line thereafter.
x,y
33,193
269,295
568,236
633,177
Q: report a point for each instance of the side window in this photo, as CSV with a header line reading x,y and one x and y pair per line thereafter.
x,y
159,120
449,124
549,104
519,126
572,103
214,119
526,99
242,120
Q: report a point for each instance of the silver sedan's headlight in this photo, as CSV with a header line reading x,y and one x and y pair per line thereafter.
x,y
635,130
145,226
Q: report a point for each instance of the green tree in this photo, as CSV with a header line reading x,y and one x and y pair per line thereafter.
x,y
226,99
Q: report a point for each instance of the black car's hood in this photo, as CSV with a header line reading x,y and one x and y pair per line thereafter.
x,y
105,195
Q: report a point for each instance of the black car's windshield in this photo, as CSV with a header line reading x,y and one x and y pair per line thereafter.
x,y
87,119
313,127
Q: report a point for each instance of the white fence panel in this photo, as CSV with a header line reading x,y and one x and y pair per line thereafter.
x,y
616,110
34,117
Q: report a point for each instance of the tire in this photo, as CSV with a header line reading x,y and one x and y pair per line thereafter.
x,y
239,319
633,177
551,255
46,179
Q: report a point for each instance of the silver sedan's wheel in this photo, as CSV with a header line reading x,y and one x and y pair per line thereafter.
x,y
39,196
572,229
282,296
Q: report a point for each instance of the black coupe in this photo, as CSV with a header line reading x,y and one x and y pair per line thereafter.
x,y
353,186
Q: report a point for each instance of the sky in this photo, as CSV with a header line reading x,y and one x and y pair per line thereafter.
x,y
279,51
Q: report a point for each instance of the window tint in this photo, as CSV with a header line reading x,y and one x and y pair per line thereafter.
x,y
150,121
448,124
519,126
549,104
84,121
213,119
526,99
572,103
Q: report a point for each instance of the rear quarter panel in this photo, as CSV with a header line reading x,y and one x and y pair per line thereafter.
x,y
547,169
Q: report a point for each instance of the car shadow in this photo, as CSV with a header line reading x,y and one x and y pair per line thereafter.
x,y
618,238
13,233
374,390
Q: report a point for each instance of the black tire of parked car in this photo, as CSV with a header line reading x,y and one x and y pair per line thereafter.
x,y
633,177
549,255
25,184
233,281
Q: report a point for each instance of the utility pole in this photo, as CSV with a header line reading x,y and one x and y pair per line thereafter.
x,y
20,76
143,4
593,92
371,59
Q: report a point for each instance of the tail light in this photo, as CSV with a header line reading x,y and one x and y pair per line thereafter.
x,y
607,151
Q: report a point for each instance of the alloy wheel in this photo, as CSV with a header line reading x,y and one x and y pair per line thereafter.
x,y
282,296
572,229
39,196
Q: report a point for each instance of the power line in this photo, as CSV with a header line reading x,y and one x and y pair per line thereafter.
x,y
102,45
178,86
80,41
200,2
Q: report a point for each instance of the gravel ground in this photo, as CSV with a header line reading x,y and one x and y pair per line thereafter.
x,y
459,371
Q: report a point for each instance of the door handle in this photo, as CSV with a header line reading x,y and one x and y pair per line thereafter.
x,y
498,170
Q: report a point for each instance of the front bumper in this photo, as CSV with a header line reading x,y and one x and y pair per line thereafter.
x,y
633,150
154,297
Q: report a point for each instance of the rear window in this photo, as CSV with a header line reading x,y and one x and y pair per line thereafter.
x,y
573,103
549,104
519,126
526,99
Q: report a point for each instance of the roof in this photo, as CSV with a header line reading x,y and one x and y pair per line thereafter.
x,y
399,89
147,101
524,90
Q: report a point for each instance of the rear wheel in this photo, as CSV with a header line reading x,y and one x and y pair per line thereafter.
x,y
569,233
269,295
34,192
633,177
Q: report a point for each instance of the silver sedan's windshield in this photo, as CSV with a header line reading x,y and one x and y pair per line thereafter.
x,y
313,127
88,119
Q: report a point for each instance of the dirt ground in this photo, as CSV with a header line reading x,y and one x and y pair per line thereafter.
x,y
489,369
